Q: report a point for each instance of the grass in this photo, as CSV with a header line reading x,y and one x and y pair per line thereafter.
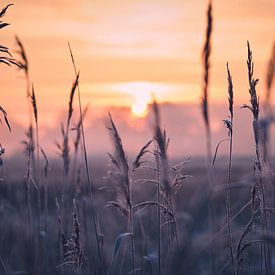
x,y
229,126
162,221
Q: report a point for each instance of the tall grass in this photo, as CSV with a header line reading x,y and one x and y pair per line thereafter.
x,y
74,250
206,54
268,119
178,232
91,196
29,142
37,180
170,179
206,73
5,55
65,148
258,190
229,126
121,177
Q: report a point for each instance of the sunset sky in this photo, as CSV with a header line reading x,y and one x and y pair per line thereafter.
x,y
128,49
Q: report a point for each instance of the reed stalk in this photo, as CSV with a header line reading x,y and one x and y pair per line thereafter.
x,y
89,179
229,126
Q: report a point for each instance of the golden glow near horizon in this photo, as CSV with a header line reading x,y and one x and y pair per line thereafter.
x,y
141,92
140,108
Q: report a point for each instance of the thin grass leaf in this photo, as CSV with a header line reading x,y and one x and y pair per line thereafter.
x,y
47,164
138,160
4,113
217,149
70,112
24,63
34,105
206,64
4,10
3,25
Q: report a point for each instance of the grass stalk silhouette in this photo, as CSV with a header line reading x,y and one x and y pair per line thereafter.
x,y
91,196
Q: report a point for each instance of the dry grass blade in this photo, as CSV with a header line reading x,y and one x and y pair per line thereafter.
x,y
138,160
70,112
258,190
229,125
254,106
206,64
268,119
2,152
34,105
162,143
119,161
47,163
89,179
4,113
65,150
24,63
120,174
74,250
120,155
78,130
206,54
35,112
270,74
230,91
8,60
4,10
217,150
5,50
254,101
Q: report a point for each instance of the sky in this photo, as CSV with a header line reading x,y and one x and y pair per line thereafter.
x,y
127,50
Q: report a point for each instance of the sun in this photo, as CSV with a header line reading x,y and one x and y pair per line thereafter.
x,y
141,95
140,108
141,99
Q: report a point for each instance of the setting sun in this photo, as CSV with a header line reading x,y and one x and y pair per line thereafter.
x,y
140,108
141,94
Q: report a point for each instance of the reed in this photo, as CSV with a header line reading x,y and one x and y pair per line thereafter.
x,y
89,179
77,143
2,149
46,209
5,115
37,148
270,78
229,126
24,65
74,250
29,142
6,57
65,148
121,177
258,190
167,186
29,151
268,119
206,54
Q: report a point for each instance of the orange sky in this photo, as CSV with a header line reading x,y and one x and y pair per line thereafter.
x,y
125,48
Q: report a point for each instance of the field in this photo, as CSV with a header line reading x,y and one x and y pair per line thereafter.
x,y
192,256
148,213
